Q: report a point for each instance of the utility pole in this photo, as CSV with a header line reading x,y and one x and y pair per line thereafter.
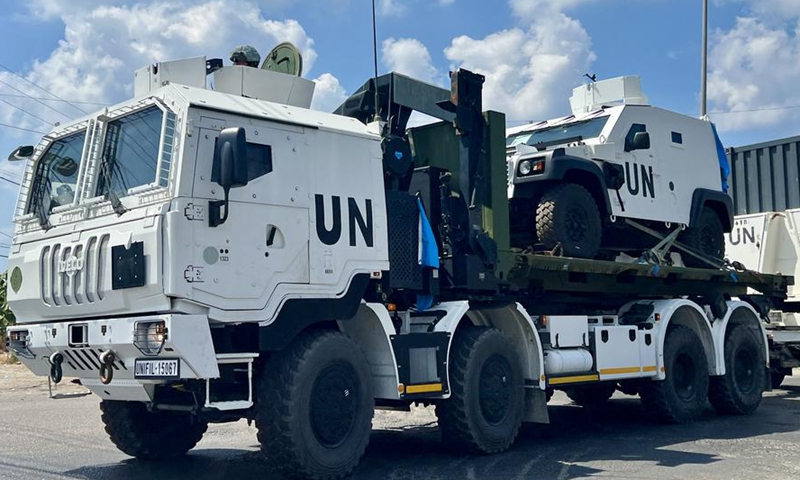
x,y
704,68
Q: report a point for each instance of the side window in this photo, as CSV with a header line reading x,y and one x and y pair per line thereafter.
x,y
259,162
635,128
677,138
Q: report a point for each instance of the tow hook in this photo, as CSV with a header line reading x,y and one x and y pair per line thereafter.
x,y
107,360
56,373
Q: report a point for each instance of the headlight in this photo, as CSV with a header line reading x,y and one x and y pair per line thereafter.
x,y
530,167
18,342
149,337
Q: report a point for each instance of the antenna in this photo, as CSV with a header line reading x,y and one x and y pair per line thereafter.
x,y
704,67
377,117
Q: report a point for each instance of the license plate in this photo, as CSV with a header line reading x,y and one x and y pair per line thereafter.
x,y
161,368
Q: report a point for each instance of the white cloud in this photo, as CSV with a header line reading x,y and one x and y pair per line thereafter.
x,y
409,57
328,94
104,44
391,8
754,69
530,72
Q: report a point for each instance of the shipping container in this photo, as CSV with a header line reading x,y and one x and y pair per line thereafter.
x,y
765,177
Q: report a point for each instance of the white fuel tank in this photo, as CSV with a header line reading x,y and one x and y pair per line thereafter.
x,y
572,360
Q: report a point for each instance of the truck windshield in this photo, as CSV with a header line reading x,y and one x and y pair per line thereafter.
x,y
568,132
57,174
131,152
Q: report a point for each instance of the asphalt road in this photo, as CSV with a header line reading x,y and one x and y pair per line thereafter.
x,y
54,439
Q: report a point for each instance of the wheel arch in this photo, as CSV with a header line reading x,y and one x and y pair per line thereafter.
x,y
720,202
688,314
739,314
514,322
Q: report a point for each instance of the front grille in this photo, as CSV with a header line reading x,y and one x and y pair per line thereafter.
x,y
87,359
74,274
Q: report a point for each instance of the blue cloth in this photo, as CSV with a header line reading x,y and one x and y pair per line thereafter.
x,y
724,166
429,251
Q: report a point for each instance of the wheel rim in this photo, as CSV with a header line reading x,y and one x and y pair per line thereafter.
x,y
494,389
334,402
743,370
684,375
575,221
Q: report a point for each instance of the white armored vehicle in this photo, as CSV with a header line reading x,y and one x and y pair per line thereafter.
x,y
573,180
195,256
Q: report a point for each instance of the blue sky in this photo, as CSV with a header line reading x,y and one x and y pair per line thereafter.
x,y
532,51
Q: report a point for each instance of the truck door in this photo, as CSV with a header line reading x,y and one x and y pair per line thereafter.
x,y
264,242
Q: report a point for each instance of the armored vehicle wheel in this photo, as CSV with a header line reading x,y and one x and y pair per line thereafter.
x,y
591,395
706,237
484,411
150,435
680,397
739,391
568,215
315,407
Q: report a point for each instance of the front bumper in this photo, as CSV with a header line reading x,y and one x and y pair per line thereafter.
x,y
188,339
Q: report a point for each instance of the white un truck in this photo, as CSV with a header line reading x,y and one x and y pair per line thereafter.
x,y
576,183
195,256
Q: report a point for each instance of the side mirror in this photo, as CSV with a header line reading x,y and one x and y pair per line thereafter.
x,y
21,153
230,155
641,141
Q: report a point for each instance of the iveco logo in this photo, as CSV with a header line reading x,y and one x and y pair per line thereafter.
x,y
70,265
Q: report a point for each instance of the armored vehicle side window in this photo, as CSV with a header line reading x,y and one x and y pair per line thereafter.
x,y
131,152
677,138
57,174
635,128
259,162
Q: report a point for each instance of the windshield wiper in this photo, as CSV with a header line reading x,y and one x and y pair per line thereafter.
x,y
560,141
42,213
110,194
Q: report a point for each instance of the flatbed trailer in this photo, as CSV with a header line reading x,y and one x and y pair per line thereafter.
x,y
301,269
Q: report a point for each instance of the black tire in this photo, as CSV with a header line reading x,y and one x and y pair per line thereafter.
x,y
590,396
487,393
315,407
739,391
150,435
680,397
567,214
777,378
706,237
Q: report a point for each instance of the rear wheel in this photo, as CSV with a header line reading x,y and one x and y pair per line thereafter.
x,y
681,396
591,395
315,407
739,391
150,435
707,237
568,215
484,411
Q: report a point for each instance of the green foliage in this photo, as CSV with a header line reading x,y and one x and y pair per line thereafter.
x,y
6,316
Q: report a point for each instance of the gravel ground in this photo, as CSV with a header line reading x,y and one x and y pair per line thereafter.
x,y
42,438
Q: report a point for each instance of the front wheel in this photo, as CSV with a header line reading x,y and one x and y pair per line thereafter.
x,y
315,407
484,411
681,396
150,435
568,215
739,391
